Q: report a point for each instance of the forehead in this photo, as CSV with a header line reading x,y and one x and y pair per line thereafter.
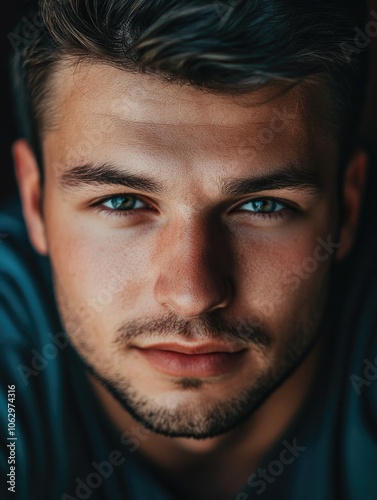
x,y
117,110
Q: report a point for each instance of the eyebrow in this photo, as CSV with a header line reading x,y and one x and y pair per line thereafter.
x,y
108,175
289,177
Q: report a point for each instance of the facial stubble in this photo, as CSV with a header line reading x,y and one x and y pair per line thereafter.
x,y
189,419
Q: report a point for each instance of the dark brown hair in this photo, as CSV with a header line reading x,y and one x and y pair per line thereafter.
x,y
228,46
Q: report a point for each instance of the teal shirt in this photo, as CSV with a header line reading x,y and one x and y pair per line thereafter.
x,y
67,449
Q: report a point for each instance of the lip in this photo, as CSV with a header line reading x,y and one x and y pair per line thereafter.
x,y
195,349
199,361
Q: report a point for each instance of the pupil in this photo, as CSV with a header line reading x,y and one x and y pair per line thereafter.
x,y
121,202
263,205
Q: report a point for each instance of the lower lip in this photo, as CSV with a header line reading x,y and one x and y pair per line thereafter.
x,y
192,365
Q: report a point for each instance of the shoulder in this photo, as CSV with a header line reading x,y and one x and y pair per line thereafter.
x,y
32,348
27,305
358,414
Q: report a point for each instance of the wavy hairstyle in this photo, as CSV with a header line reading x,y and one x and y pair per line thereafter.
x,y
226,46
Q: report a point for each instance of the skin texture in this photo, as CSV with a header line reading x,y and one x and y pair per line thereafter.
x,y
191,263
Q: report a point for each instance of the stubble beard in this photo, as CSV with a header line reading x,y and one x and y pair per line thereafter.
x,y
188,419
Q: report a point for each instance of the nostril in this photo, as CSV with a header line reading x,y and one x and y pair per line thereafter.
x,y
193,298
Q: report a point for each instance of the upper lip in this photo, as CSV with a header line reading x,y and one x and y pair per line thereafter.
x,y
195,349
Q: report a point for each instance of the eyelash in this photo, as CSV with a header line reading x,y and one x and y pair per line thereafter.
x,y
118,213
283,213
286,211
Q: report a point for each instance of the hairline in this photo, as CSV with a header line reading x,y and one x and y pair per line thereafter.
x,y
307,88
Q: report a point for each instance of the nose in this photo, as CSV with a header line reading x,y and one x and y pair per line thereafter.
x,y
194,271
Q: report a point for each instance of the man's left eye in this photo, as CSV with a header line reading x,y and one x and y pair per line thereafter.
x,y
263,206
124,202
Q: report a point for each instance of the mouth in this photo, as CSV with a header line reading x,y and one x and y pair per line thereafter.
x,y
205,360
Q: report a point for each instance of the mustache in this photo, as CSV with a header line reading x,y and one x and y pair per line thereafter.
x,y
210,327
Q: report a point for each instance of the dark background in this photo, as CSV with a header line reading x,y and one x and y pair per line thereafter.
x,y
10,13
7,129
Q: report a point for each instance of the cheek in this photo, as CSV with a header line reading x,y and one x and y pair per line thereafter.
x,y
283,277
102,271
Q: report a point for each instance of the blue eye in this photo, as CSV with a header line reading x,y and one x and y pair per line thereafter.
x,y
263,206
123,203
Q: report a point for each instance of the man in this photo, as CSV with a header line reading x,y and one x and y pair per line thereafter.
x,y
189,173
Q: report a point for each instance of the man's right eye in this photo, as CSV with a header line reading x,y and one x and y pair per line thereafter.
x,y
122,203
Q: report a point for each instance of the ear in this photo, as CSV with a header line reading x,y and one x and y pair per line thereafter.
x,y
353,191
29,183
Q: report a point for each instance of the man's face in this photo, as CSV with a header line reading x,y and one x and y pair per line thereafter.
x,y
191,237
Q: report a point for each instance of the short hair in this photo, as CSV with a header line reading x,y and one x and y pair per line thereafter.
x,y
223,46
